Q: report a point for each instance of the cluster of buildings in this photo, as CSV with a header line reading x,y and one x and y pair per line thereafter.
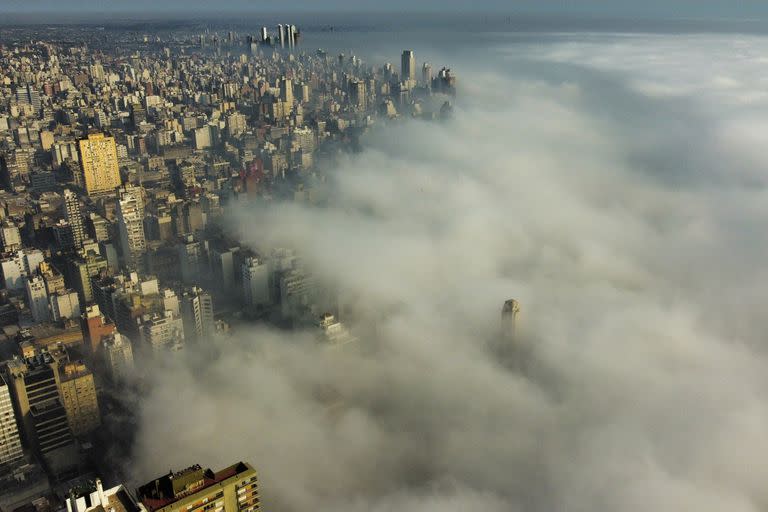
x,y
120,157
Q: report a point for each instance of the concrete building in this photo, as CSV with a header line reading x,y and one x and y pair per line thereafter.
x,y
118,356
130,223
94,498
78,396
10,236
37,299
65,305
233,489
98,161
34,387
509,314
255,275
10,441
96,327
18,266
74,217
197,314
333,333
161,331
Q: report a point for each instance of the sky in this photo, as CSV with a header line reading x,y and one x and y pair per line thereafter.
x,y
616,186
617,8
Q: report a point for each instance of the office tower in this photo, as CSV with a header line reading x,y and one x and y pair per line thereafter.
x,y
197,313
408,66
264,34
78,396
233,489
292,35
18,266
426,74
224,264
64,305
96,327
54,281
33,383
74,217
81,269
98,160
37,299
286,91
281,35
118,356
509,314
10,441
191,257
255,276
92,497
130,223
357,94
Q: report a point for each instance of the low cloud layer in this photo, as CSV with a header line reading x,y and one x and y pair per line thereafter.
x,y
628,224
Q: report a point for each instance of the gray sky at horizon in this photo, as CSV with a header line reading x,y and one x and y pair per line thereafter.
x,y
618,8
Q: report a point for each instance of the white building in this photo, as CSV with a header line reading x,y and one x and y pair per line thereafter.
x,y
10,442
118,356
37,299
10,236
17,267
130,222
197,313
115,499
162,331
65,305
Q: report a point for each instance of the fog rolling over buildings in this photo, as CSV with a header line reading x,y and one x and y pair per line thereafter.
x,y
376,263
613,185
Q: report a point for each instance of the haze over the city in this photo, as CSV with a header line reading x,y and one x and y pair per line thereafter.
x,y
447,256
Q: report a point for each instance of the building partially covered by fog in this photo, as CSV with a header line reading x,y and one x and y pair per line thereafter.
x,y
194,489
509,314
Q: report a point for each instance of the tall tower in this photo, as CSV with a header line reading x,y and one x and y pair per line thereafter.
x,y
10,442
408,66
98,159
197,313
37,299
78,396
281,35
286,90
118,356
509,314
74,216
130,223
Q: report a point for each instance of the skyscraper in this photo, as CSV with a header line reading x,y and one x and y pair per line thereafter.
x,y
78,396
37,298
408,66
255,274
286,90
130,223
74,216
197,313
10,442
281,35
509,314
98,160
233,489
357,94
118,356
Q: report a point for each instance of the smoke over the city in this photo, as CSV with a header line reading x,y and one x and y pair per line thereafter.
x,y
616,187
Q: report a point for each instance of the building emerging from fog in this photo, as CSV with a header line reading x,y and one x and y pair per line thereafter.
x,y
509,313
334,333
233,489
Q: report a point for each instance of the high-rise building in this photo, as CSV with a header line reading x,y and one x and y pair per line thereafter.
x,y
98,160
10,236
255,274
10,441
161,331
286,91
118,356
197,313
191,259
74,217
81,269
37,299
426,74
34,387
130,224
408,66
78,396
333,333
233,489
509,314
264,34
281,35
95,327
357,94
